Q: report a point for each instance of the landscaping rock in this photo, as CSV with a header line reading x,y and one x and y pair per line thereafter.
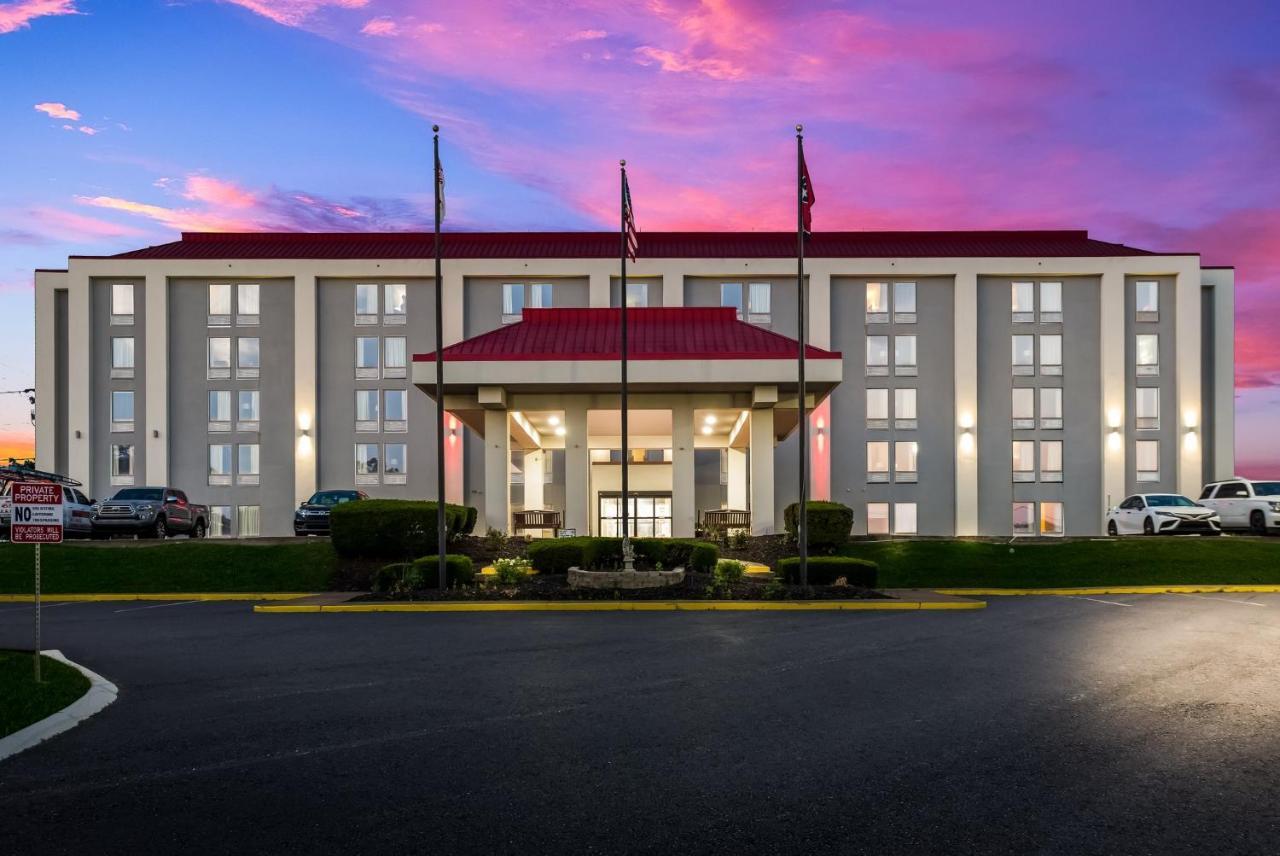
x,y
579,578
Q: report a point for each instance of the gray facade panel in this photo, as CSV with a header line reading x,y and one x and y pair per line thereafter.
x,y
60,389
102,331
1166,382
482,299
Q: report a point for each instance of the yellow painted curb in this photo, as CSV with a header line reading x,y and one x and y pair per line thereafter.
x,y
50,598
1085,590
632,606
755,569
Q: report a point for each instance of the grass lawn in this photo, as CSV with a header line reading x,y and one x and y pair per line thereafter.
x,y
23,701
1043,563
178,566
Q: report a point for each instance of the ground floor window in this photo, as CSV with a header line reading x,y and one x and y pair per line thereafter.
x,y
1052,521
219,521
1024,518
904,518
877,518
649,515
1048,522
249,519
122,464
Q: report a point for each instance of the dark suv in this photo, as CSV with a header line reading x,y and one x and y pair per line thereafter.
x,y
312,516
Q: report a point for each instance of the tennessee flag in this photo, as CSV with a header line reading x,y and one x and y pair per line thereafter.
x,y
806,195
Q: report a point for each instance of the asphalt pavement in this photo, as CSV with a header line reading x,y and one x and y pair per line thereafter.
x,y
1115,724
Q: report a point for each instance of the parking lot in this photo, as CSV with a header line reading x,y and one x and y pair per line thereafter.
x,y
1136,724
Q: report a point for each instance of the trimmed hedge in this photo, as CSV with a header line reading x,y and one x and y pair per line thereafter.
x,y
469,524
391,528
558,555
829,524
422,574
825,570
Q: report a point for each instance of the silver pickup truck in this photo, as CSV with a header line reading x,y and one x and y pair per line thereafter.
x,y
149,512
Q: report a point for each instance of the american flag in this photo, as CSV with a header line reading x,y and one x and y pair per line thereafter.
x,y
629,219
440,186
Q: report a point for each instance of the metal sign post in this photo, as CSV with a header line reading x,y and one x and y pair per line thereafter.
x,y
37,519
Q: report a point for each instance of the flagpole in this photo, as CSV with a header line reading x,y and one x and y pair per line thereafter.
x,y
441,546
628,562
802,517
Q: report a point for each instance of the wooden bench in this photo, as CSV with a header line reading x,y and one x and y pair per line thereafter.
x,y
718,522
522,521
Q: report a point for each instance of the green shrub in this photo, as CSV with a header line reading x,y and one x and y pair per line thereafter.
x,y
390,579
469,524
558,555
458,571
390,528
829,524
512,571
730,570
825,570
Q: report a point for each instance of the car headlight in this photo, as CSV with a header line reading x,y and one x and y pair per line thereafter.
x,y
146,509
1275,506
1165,514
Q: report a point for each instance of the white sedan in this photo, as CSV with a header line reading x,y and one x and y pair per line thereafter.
x,y
1162,514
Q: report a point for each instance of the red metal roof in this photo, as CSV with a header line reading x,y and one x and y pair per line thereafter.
x,y
603,245
660,333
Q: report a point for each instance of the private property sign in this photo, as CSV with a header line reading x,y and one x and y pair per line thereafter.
x,y
37,513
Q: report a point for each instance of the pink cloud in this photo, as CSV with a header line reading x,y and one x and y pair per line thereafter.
x,y
19,15
380,27
586,35
57,224
294,13
215,191
57,110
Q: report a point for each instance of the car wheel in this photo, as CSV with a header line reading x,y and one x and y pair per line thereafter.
x,y
1258,523
160,531
1148,528
1111,528
197,531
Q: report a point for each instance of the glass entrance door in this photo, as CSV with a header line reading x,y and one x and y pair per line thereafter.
x,y
649,515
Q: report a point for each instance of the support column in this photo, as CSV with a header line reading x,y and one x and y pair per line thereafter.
x,y
577,468
1112,384
1187,355
684,510
497,470
79,341
965,357
762,512
535,479
304,387
46,368
454,477
156,354
673,289
737,499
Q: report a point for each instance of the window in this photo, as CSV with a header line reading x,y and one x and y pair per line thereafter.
x,y
1024,295
1024,518
637,294
366,410
367,463
904,356
248,357
249,518
394,296
1051,355
1024,460
247,463
219,463
121,410
877,356
905,455
219,410
877,518
367,357
122,464
219,358
1024,408
649,516
121,303
1050,302
1148,354
1050,460
904,409
1147,455
877,302
731,295
540,295
877,409
395,363
219,304
219,521
759,302
122,357
247,410
1147,400
1052,521
878,461
396,468
904,518
512,301
247,307
1147,301
1051,407
904,302
1233,490
1024,362
396,412
366,303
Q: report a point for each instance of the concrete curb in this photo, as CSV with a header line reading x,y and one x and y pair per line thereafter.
x,y
633,606
1086,590
210,596
100,694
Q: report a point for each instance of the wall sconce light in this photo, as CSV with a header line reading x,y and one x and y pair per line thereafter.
x,y
304,421
966,438
822,435
155,432
1113,438
78,434
305,432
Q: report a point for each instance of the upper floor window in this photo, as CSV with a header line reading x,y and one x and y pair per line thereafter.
x,y
877,356
248,464
877,302
1051,355
904,302
248,415
247,305
877,409
1024,296
122,356
248,357
395,468
904,409
1050,460
878,461
367,354
368,463
1024,460
219,463
394,299
1024,407
1147,350
1051,407
1147,301
219,410
1024,361
367,410
1147,408
395,362
637,294
121,303
759,302
396,412
906,454
904,356
1147,458
219,357
512,301
121,410
366,303
731,296
122,464
219,304
540,295
1051,302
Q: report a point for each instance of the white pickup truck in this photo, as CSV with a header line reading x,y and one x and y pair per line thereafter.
x,y
1245,504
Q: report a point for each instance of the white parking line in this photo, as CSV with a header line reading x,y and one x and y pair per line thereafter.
x,y
157,606
1221,599
27,607
1107,602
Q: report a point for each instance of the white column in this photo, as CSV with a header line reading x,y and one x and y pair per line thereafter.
x,y
306,446
966,392
156,354
684,509
1112,384
497,470
762,440
47,357
535,479
79,436
577,468
673,288
1223,281
1187,350
598,291
737,499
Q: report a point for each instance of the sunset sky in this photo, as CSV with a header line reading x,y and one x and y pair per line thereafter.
x,y
1154,124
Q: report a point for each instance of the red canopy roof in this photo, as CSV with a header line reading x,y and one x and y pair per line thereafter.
x,y
660,333
604,245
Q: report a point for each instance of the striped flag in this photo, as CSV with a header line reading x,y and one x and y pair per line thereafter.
x,y
629,219
440,186
806,196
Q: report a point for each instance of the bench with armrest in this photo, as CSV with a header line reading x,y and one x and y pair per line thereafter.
x,y
719,522
523,521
